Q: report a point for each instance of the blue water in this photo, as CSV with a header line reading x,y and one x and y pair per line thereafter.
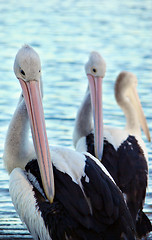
x,y
64,33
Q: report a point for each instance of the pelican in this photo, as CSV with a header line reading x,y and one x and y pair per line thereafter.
x,y
58,193
123,152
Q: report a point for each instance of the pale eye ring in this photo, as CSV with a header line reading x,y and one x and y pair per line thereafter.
x,y
94,70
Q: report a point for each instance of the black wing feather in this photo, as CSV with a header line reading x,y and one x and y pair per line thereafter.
x,y
133,174
109,158
113,205
92,213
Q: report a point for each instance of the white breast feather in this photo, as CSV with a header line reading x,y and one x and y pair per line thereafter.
x,y
69,161
25,204
115,136
81,145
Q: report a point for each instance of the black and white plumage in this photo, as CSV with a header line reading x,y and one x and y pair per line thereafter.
x,y
85,203
80,210
124,152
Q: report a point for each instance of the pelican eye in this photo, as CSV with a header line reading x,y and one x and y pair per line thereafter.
x,y
22,72
39,70
94,70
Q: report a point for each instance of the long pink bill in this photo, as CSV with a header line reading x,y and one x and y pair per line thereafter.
x,y
140,112
33,100
95,84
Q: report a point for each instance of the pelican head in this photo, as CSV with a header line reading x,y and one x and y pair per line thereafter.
x,y
27,68
95,70
27,64
126,94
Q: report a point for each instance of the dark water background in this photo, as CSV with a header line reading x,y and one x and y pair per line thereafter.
x,y
64,33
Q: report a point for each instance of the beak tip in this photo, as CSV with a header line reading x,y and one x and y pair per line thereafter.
x,y
51,199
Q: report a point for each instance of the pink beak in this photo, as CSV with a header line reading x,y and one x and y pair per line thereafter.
x,y
33,100
95,84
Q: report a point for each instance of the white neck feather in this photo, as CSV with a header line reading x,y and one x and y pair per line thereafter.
x,y
132,121
17,149
83,123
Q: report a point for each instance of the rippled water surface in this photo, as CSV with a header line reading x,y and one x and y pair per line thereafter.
x,y
63,33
